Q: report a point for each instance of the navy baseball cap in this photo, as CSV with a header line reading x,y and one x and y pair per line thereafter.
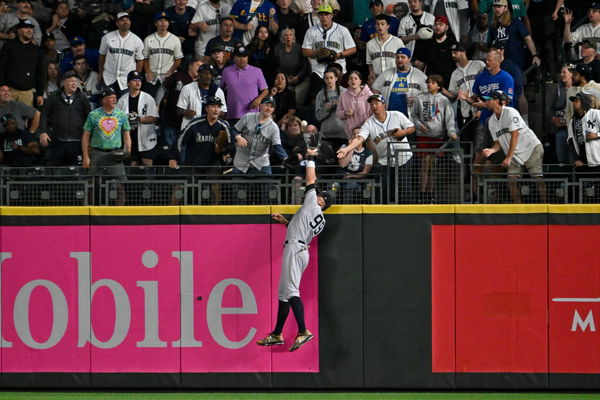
x,y
108,92
584,70
6,118
327,197
375,3
457,47
161,15
405,51
133,76
595,6
375,97
213,100
496,44
77,40
241,51
25,23
209,68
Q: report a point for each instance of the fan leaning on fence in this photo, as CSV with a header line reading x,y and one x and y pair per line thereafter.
x,y
521,147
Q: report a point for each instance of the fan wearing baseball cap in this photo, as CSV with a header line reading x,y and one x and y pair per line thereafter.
x,y
435,54
400,85
587,49
141,110
587,31
521,147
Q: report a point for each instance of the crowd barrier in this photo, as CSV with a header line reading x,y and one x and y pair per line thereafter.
x,y
399,297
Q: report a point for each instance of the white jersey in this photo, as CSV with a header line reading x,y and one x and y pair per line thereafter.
x,y
501,129
462,78
161,53
191,98
336,38
378,132
308,221
452,7
591,124
121,53
587,32
209,14
408,27
146,108
382,55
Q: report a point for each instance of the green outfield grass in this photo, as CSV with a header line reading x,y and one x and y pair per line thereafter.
x,y
295,396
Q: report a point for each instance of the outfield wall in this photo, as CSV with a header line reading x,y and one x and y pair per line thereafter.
x,y
400,297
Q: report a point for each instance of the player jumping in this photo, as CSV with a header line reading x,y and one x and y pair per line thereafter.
x,y
307,223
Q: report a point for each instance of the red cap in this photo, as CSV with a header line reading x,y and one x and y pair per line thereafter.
x,y
441,18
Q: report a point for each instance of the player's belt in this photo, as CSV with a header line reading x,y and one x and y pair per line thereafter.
x,y
295,241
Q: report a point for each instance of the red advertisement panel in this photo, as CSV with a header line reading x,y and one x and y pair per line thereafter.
x,y
501,298
574,287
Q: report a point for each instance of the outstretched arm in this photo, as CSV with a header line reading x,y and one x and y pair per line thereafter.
x,y
280,218
311,174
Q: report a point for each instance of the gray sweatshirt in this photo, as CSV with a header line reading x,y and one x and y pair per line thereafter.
x,y
435,112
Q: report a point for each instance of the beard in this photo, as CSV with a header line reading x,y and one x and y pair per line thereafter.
x,y
439,35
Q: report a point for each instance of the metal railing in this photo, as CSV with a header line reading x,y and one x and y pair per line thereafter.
x,y
431,177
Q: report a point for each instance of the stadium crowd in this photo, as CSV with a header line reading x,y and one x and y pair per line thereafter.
x,y
247,84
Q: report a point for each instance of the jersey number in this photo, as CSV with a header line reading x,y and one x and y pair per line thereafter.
x,y
317,224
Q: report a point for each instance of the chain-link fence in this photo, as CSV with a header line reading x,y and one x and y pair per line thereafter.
x,y
426,176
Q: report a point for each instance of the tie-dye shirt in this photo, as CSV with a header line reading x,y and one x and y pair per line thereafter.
x,y
106,128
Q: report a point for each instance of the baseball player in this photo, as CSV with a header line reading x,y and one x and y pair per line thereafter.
x,y
307,223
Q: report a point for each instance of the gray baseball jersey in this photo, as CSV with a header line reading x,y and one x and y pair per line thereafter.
x,y
307,223
260,138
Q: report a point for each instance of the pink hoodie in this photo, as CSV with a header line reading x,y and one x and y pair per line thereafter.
x,y
356,102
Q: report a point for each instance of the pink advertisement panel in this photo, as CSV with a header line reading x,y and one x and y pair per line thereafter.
x,y
152,298
135,298
39,276
307,358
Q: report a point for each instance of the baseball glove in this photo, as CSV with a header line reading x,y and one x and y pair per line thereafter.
x,y
221,142
292,161
119,155
425,33
325,55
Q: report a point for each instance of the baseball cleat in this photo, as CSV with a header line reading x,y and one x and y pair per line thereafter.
x,y
270,340
302,339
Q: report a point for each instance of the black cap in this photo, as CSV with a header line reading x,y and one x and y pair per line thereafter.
x,y
584,70
215,48
241,51
68,74
25,23
496,44
214,100
595,6
457,47
586,100
327,197
5,118
375,3
48,36
268,99
495,95
108,92
134,75
588,43
209,68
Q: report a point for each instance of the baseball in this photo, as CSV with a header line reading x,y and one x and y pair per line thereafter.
x,y
304,124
